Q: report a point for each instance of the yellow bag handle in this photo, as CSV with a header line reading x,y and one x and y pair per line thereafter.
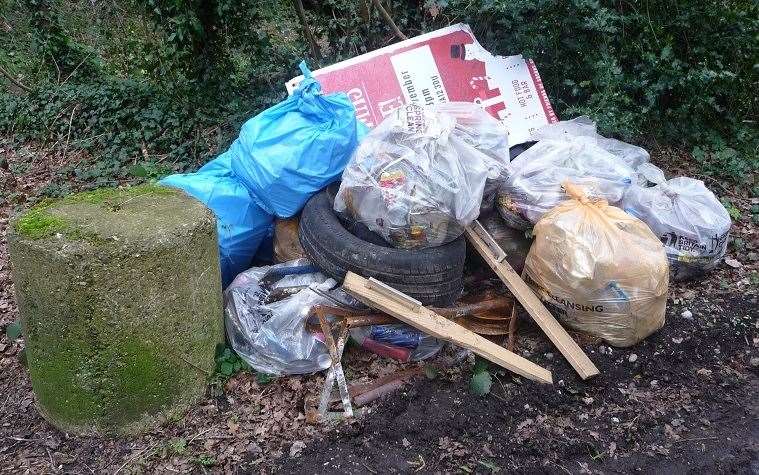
x,y
575,192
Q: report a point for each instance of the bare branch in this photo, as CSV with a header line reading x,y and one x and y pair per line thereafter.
x,y
14,80
389,20
307,29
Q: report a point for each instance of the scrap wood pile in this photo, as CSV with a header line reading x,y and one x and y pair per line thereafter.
x,y
400,217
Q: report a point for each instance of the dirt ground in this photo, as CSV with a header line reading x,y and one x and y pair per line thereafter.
x,y
684,400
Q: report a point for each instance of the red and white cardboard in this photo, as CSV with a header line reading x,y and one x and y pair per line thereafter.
x,y
444,65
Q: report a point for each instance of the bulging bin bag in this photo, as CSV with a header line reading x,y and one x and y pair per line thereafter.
x,y
632,155
292,150
240,223
265,313
281,157
420,176
686,216
602,270
570,150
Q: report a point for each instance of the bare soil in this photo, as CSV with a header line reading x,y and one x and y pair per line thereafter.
x,y
684,400
686,403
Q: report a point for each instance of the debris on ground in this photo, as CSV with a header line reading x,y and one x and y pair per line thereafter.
x,y
286,245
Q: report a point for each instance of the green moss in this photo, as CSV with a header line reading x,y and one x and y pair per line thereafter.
x,y
39,222
114,197
142,380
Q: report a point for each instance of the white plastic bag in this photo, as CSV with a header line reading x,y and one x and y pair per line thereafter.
x,y
419,177
603,270
686,216
632,155
265,311
533,183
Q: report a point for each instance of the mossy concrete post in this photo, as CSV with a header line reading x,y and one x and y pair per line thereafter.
x,y
120,303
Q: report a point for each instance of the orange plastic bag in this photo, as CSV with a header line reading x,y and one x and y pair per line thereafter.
x,y
286,242
603,270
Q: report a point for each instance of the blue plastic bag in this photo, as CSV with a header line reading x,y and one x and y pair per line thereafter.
x,y
241,224
281,157
292,150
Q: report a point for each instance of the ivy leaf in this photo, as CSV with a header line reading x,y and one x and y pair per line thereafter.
x,y
227,368
13,331
480,383
138,171
430,371
480,364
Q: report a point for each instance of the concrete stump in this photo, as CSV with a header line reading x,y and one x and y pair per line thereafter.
x,y
120,301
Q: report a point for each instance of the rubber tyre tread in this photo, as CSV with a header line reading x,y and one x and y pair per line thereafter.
x,y
432,276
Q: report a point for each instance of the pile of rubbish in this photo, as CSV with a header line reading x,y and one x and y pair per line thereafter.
x,y
376,204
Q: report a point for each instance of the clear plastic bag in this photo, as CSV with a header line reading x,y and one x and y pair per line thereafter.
x,y
632,155
398,341
570,150
420,176
602,270
686,216
265,310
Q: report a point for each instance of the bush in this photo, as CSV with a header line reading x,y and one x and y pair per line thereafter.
x,y
669,69
179,77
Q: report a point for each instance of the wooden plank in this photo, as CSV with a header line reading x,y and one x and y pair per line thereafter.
x,y
535,308
440,327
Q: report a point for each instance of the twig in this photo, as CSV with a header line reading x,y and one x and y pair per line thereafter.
x,y
15,81
389,20
371,470
193,438
21,439
57,68
2,408
307,29
133,458
68,135
77,67
52,463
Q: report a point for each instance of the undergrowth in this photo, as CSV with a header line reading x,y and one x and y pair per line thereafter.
x,y
147,87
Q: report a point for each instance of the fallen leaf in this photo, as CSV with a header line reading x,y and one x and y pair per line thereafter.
x,y
297,448
732,262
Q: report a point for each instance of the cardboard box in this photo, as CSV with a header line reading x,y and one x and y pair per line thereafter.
x,y
444,65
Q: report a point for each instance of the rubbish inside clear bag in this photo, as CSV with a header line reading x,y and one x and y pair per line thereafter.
x,y
601,270
570,150
265,310
686,216
419,177
632,155
399,341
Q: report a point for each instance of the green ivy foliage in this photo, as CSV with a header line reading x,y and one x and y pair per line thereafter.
x,y
118,121
141,82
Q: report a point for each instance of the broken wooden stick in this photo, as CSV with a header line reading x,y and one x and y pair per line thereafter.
x,y
496,259
383,297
